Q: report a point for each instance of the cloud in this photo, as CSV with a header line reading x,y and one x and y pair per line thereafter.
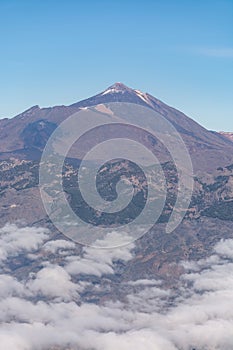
x,y
224,52
60,246
225,248
137,340
96,261
144,282
9,286
14,240
53,282
42,309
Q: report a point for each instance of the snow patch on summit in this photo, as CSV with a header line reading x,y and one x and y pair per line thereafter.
x,y
121,88
143,96
112,90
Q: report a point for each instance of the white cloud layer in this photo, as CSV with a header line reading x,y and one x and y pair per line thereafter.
x,y
14,240
99,261
43,309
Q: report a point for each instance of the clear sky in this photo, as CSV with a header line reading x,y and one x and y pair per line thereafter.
x,y
59,52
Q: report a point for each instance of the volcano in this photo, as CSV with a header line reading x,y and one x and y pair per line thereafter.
x,y
25,135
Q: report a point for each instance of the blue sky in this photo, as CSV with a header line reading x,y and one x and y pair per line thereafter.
x,y
58,52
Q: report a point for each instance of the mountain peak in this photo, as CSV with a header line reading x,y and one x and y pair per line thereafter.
x,y
117,87
121,88
118,92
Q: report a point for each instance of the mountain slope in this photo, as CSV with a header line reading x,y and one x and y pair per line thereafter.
x,y
207,149
156,255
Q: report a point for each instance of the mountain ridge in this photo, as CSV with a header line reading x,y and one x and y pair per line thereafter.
x,y
201,143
